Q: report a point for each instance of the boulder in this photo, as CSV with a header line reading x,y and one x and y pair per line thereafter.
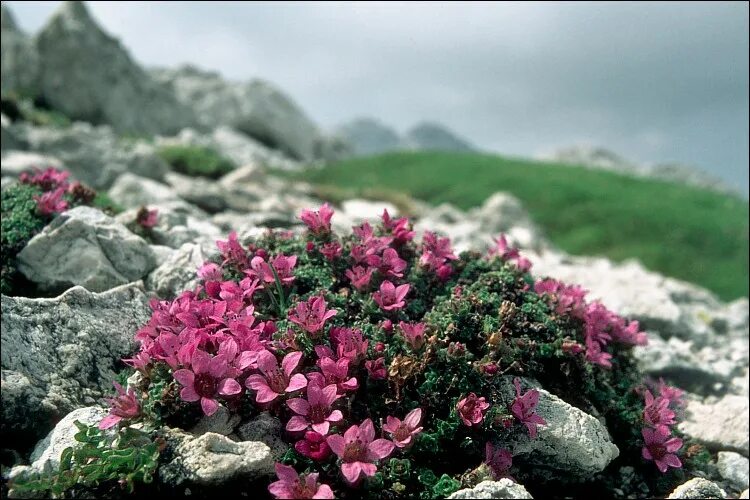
x,y
256,108
83,246
19,60
222,422
734,468
178,222
178,272
267,429
206,194
504,488
14,163
698,488
61,353
89,76
573,442
212,459
718,424
94,155
238,147
130,190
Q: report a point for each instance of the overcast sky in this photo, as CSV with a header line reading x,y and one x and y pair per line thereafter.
x,y
654,82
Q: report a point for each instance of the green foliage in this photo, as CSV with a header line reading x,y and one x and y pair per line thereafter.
x,y
20,222
103,202
126,458
681,231
196,161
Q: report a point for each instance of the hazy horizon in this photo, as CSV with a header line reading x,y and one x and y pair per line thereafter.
x,y
652,82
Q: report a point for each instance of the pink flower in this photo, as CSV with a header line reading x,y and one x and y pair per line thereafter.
x,y
389,264
630,334
413,333
51,202
524,408
319,221
293,485
360,276
499,461
274,381
349,343
471,409
566,299
334,372
673,394
660,449
48,180
403,433
124,406
596,355
311,315
314,446
331,250
210,272
376,369
657,413
284,267
206,380
359,450
315,411
509,254
233,252
391,297
147,218
399,228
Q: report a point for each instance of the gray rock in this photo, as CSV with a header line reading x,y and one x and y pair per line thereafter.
x,y
133,191
745,494
88,75
19,60
234,145
208,195
60,354
178,272
718,424
83,246
14,163
94,155
572,441
734,468
368,136
8,136
355,212
505,488
212,459
251,173
698,488
267,429
434,136
47,452
222,422
256,108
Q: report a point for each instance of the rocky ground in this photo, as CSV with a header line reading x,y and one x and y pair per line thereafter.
x,y
61,351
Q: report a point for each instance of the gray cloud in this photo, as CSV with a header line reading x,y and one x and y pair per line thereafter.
x,y
655,81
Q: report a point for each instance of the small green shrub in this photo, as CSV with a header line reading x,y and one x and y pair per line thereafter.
x,y
196,161
103,202
20,222
126,458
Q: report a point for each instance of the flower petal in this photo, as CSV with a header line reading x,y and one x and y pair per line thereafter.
x,y
337,444
209,406
200,361
184,377
367,431
413,419
229,387
380,449
351,472
297,382
188,394
290,362
109,421
297,423
299,406
321,427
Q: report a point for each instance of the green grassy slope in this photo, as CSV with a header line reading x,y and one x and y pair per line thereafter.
x,y
680,231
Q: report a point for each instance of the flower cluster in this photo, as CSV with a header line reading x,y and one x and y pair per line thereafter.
x,y
380,354
601,326
659,416
504,251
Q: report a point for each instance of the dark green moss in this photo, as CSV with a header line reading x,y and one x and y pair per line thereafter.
x,y
196,161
